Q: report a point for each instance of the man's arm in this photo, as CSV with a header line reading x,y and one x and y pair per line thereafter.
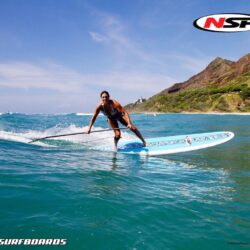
x,y
120,108
92,121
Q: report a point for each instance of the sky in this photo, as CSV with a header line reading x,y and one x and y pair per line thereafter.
x,y
57,56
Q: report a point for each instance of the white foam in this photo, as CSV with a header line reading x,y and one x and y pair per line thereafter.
x,y
19,137
7,113
104,137
86,114
82,114
92,139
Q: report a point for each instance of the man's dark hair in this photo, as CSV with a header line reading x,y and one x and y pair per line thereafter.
x,y
104,92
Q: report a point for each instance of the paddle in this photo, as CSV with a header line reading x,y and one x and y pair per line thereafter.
x,y
79,133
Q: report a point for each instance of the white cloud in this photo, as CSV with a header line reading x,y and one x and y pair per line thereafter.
x,y
20,75
98,37
66,90
112,33
26,75
115,34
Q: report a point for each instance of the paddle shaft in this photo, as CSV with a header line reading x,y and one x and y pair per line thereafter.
x,y
79,133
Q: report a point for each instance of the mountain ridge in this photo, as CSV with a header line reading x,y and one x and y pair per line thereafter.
x,y
223,81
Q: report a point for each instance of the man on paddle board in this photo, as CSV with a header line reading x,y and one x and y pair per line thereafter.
x,y
114,112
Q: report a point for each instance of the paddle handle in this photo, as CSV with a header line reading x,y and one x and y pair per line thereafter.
x,y
79,133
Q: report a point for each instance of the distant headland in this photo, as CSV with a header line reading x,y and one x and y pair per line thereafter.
x,y
222,87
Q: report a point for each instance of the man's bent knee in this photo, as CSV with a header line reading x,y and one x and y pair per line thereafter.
x,y
117,134
133,128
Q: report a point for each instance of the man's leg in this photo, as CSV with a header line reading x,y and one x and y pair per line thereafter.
x,y
114,124
134,129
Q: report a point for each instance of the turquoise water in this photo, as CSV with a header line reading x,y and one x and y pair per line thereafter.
x,y
102,200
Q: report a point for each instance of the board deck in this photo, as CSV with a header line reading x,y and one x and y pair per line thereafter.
x,y
175,144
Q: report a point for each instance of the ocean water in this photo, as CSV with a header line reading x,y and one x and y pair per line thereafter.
x,y
63,189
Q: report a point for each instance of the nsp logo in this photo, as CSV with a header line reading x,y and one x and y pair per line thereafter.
x,y
226,22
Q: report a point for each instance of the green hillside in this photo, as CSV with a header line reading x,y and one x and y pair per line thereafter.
x,y
232,97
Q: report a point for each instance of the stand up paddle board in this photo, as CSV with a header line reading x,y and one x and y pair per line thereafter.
x,y
175,144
